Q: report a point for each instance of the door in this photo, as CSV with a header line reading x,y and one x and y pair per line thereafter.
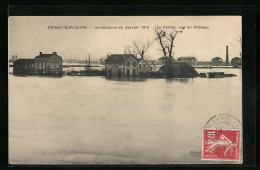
x,y
109,73
127,72
133,72
119,73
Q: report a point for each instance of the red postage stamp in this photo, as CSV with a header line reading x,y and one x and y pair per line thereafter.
x,y
221,145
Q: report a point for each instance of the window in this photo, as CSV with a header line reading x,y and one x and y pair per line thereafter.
x,y
36,65
127,73
127,64
40,65
144,66
140,66
134,64
43,65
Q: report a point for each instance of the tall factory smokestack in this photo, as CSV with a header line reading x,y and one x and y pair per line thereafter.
x,y
89,59
227,56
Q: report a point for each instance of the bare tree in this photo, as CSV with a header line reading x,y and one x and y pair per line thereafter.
x,y
166,42
138,48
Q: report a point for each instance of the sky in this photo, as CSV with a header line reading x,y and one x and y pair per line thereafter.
x,y
30,35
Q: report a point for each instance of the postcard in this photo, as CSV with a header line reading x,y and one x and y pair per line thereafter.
x,y
125,90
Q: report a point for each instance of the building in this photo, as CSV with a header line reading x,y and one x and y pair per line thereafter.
x,y
143,67
192,61
43,64
23,66
126,65
50,64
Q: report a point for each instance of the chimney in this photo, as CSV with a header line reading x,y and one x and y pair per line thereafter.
x,y
40,53
54,53
227,56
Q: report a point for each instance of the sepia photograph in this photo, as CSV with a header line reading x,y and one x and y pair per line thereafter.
x,y
125,90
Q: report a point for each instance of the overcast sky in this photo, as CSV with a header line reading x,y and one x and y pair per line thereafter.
x,y
30,35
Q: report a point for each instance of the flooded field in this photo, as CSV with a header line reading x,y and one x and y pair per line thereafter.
x,y
92,120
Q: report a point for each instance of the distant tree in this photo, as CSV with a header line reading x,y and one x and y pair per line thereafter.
x,y
217,61
190,60
138,48
102,61
163,60
236,61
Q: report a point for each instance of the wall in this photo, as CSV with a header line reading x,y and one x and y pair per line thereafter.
x,y
112,69
131,67
143,70
53,65
23,68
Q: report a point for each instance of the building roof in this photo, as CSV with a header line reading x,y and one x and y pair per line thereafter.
x,y
123,57
24,61
46,55
119,57
139,59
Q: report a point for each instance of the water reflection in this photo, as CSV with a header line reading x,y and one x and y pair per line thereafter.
x,y
182,80
39,76
93,120
142,79
132,79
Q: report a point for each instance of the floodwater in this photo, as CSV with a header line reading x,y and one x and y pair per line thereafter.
x,y
92,120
